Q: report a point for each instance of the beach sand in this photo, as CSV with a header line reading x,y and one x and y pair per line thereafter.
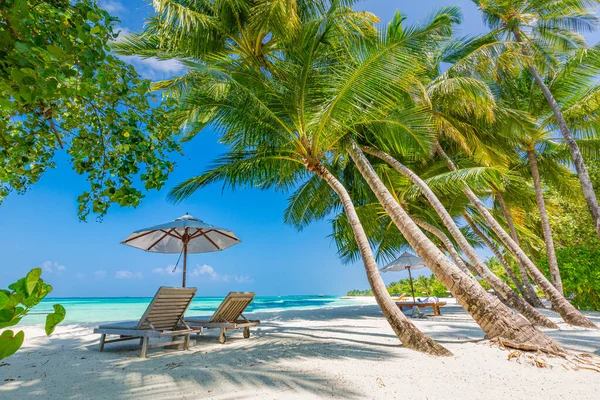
x,y
345,352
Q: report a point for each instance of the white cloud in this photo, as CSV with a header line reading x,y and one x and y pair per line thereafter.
x,y
79,275
239,278
204,270
113,7
208,271
100,274
154,69
168,270
128,275
50,267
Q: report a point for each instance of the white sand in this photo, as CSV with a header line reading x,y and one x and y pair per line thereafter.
x,y
346,352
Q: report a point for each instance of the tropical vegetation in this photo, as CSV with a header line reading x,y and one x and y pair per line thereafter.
x,y
62,91
423,285
404,136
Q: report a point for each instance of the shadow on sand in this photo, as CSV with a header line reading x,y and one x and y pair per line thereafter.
x,y
244,366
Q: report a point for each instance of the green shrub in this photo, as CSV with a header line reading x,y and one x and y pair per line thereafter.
x,y
15,303
360,293
580,272
424,286
429,286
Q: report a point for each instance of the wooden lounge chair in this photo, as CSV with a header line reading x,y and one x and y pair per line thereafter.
x,y
228,316
435,305
163,318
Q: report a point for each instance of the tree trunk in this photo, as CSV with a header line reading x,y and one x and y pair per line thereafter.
x,y
522,268
448,245
582,172
534,300
546,229
408,334
493,317
566,310
499,286
470,268
507,217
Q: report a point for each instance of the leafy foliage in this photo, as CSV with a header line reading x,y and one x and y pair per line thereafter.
x,y
356,292
571,222
498,270
580,272
424,286
61,89
16,302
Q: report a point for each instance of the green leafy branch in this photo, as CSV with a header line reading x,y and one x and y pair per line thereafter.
x,y
16,303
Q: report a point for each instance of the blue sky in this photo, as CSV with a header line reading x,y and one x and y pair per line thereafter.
x,y
41,228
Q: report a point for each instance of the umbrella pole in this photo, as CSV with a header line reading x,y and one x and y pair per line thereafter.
x,y
412,289
184,262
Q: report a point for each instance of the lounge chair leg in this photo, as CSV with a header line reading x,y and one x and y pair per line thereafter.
x,y
102,339
247,332
186,344
222,335
144,346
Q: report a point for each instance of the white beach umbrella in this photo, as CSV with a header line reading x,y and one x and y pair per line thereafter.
x,y
406,261
184,235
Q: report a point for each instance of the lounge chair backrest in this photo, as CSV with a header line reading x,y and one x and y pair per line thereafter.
x,y
232,307
166,309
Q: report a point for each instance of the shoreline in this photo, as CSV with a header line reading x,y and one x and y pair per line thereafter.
x,y
345,352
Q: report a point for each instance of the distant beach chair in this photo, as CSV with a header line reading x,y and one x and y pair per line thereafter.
x,y
228,316
434,304
163,318
402,297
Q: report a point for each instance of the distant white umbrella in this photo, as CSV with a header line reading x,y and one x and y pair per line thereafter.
x,y
184,235
406,261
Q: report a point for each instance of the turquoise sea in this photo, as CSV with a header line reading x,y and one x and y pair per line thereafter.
x,y
100,309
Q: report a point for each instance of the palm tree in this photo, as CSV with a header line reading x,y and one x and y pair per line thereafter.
x,y
542,28
477,297
300,115
574,90
250,31
500,257
566,310
528,290
469,134
458,87
500,287
281,127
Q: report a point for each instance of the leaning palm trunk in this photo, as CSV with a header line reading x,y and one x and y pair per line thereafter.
x,y
582,172
534,301
566,310
507,217
531,297
496,319
499,286
408,334
448,245
546,229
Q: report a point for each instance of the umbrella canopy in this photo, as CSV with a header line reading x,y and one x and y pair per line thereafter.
x,y
185,235
406,261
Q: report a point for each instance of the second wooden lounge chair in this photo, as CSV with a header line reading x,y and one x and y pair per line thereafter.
x,y
228,316
163,318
